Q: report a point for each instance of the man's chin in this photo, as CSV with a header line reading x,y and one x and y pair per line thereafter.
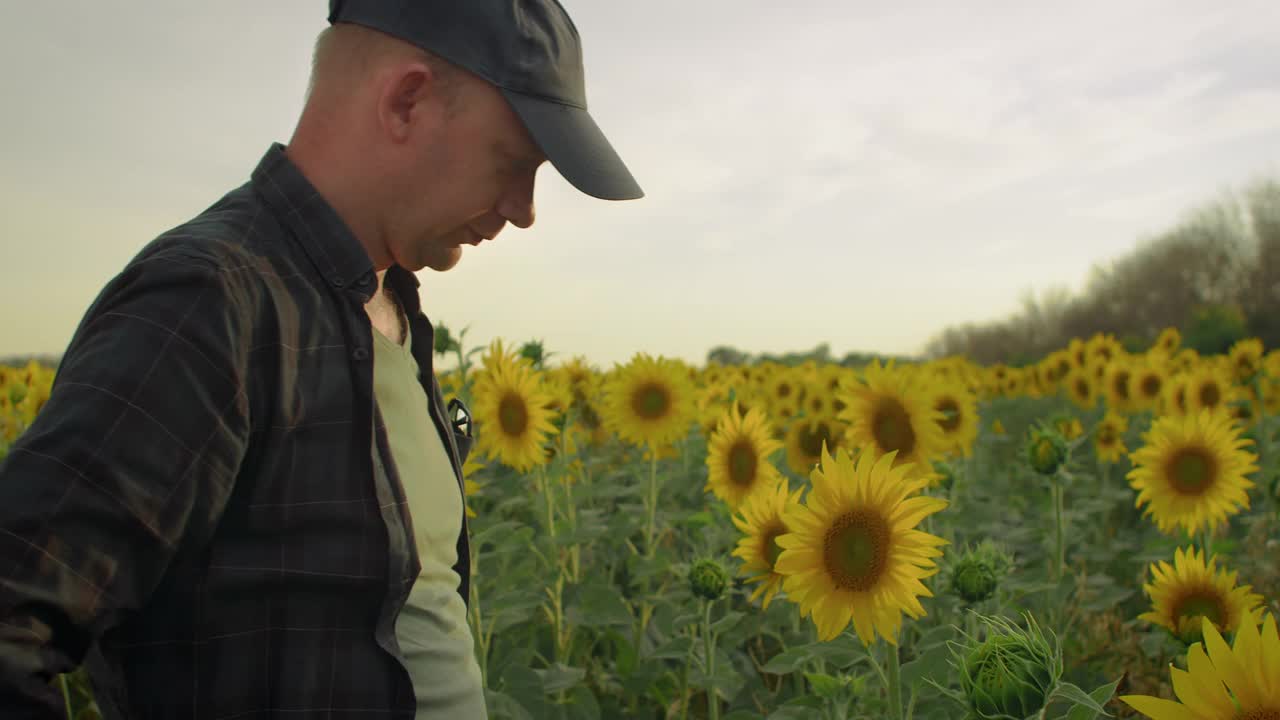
x,y
442,259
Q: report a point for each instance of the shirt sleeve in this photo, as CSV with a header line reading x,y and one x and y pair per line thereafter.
x,y
134,455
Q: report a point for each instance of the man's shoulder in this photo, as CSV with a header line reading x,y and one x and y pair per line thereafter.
x,y
238,234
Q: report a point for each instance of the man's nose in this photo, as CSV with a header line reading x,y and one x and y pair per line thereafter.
x,y
517,205
519,212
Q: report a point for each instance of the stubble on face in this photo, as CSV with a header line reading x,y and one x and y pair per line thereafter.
x,y
464,172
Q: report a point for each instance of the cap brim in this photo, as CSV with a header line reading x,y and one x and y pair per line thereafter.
x,y
574,144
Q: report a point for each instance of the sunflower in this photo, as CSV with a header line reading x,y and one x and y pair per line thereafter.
x,y
1246,360
959,416
582,378
470,487
1271,383
761,518
829,377
1015,383
738,457
1082,389
854,553
1208,388
1224,683
1068,426
1146,386
1108,438
649,401
1059,363
996,378
817,401
1192,471
513,415
784,412
1190,589
1115,384
712,374
1186,360
1169,341
785,388
1102,348
804,442
1244,409
710,405
1175,396
889,412
1078,353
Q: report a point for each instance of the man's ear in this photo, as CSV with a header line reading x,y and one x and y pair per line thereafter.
x,y
411,100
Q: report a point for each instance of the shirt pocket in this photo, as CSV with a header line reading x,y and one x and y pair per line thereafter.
x,y
464,445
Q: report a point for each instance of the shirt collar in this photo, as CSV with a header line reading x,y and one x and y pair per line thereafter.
x,y
326,239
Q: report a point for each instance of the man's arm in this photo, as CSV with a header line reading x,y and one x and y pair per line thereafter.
x,y
134,454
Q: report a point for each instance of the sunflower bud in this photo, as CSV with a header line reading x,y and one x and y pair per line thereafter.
x,y
1011,673
443,341
1046,450
708,579
533,352
945,474
1068,427
976,574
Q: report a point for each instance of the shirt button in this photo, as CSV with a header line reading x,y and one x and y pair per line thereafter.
x,y
337,281
360,354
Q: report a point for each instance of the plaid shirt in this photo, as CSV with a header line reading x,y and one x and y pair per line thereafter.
x,y
206,512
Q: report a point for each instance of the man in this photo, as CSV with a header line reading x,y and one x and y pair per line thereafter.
x,y
244,497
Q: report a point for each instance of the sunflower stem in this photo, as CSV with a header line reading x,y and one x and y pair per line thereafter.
x,y
709,639
66,695
1206,541
684,682
545,487
477,622
894,684
652,502
1059,567
798,677
651,505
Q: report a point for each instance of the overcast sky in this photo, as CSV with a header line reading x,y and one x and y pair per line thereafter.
x,y
851,172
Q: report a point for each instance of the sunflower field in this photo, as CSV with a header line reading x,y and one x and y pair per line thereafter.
x,y
1094,535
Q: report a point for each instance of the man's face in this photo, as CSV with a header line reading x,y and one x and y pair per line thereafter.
x,y
468,176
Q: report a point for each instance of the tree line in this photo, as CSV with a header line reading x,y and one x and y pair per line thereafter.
x,y
1215,276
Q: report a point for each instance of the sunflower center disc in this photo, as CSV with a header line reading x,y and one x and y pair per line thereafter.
x,y
811,439
950,410
1191,471
650,401
1082,388
1121,385
1200,603
512,415
784,391
1106,435
1151,386
742,463
856,550
891,426
771,550
1265,714
1210,396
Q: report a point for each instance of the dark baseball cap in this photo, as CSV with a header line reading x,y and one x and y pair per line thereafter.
x,y
531,51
